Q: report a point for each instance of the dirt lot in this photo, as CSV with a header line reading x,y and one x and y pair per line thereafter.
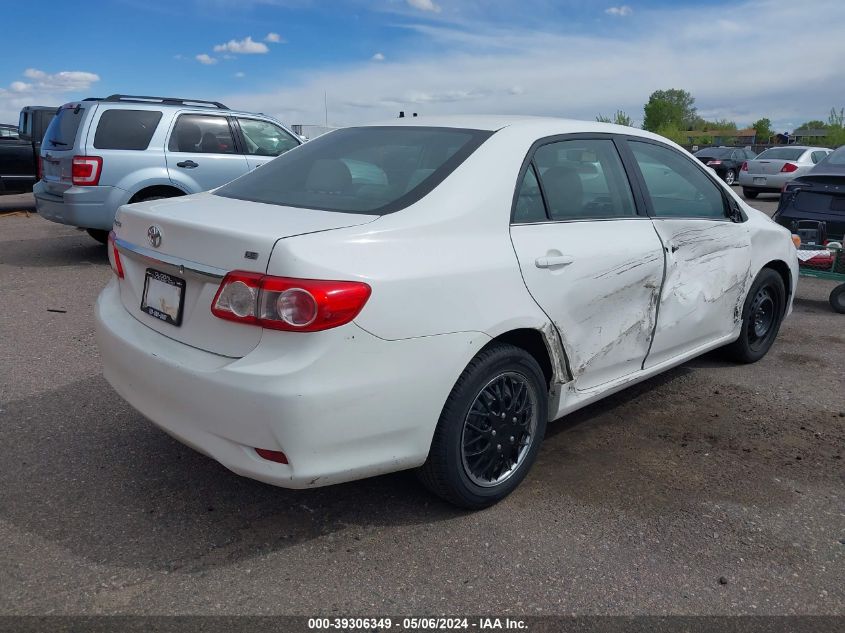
x,y
639,504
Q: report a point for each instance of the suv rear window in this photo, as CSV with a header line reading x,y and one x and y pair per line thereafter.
x,y
62,131
126,129
367,170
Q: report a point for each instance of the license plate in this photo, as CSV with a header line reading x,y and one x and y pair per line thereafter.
x,y
163,296
759,181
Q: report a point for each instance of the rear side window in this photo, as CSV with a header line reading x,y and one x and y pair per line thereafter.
x,y
781,153
817,156
584,179
61,133
368,170
126,129
676,186
529,201
202,134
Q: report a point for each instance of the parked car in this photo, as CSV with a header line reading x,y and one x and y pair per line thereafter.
x,y
19,148
725,161
428,294
770,171
99,154
819,195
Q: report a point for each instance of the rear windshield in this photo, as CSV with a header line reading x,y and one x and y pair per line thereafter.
x,y
62,131
837,157
126,129
782,153
714,153
367,170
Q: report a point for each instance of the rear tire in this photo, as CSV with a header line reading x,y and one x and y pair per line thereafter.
x,y
761,318
100,235
730,177
490,429
748,193
837,299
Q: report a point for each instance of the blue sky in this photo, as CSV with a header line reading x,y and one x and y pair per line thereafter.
x,y
372,58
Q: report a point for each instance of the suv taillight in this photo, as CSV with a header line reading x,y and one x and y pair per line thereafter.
x,y
788,168
293,305
114,257
744,166
85,170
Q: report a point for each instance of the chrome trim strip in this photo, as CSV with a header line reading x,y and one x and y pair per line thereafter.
x,y
183,265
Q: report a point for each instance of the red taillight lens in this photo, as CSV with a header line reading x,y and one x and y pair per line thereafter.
x,y
85,170
744,166
40,168
789,168
714,162
272,456
293,305
114,257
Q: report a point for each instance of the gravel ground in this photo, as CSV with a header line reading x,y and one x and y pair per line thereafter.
x,y
711,489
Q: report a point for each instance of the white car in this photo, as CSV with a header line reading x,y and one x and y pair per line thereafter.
x,y
429,294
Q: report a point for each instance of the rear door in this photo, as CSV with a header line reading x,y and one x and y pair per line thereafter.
x,y
263,140
64,136
201,152
708,256
592,263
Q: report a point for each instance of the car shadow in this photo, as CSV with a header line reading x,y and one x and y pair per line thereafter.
x,y
50,252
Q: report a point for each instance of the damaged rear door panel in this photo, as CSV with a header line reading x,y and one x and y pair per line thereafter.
x,y
591,262
707,253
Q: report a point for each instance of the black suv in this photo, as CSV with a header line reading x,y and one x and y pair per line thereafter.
x,y
725,161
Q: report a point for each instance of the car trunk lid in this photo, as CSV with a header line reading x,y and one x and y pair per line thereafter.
x,y
193,242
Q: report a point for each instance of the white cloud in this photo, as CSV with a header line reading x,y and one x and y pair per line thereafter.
x,y
620,11
245,46
43,88
64,81
274,38
378,57
424,5
20,86
488,70
204,58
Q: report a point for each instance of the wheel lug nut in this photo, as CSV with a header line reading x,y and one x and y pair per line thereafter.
x,y
503,416
493,433
499,447
514,420
511,439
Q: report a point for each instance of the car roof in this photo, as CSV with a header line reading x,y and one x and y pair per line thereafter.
x,y
141,105
536,125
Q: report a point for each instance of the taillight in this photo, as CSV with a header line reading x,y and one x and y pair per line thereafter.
x,y
85,170
788,168
744,166
283,303
114,257
272,456
40,168
714,162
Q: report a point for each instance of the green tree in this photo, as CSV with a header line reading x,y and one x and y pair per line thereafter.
x,y
763,128
811,125
673,133
718,124
620,118
836,119
667,108
836,128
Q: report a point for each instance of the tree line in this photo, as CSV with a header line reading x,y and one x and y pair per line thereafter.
x,y
672,113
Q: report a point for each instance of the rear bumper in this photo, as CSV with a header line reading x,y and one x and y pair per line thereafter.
x,y
773,182
85,207
341,405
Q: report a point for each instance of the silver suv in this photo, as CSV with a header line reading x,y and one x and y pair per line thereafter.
x,y
99,154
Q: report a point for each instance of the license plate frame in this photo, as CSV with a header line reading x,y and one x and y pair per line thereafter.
x,y
759,180
164,288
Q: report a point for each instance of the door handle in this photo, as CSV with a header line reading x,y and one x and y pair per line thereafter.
x,y
551,261
187,164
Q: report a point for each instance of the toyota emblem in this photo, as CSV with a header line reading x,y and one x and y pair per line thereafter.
x,y
154,236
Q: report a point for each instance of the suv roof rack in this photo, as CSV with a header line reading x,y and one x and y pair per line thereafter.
x,y
165,100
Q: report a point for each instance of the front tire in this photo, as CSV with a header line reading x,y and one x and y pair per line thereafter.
x,y
762,315
490,429
748,193
101,235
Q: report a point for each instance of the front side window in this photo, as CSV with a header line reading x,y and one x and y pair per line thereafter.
x,y
676,186
126,129
202,134
262,138
584,179
369,170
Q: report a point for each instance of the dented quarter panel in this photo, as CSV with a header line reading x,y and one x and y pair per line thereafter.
x,y
708,265
604,303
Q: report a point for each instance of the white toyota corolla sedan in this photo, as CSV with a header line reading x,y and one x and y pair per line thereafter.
x,y
429,294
